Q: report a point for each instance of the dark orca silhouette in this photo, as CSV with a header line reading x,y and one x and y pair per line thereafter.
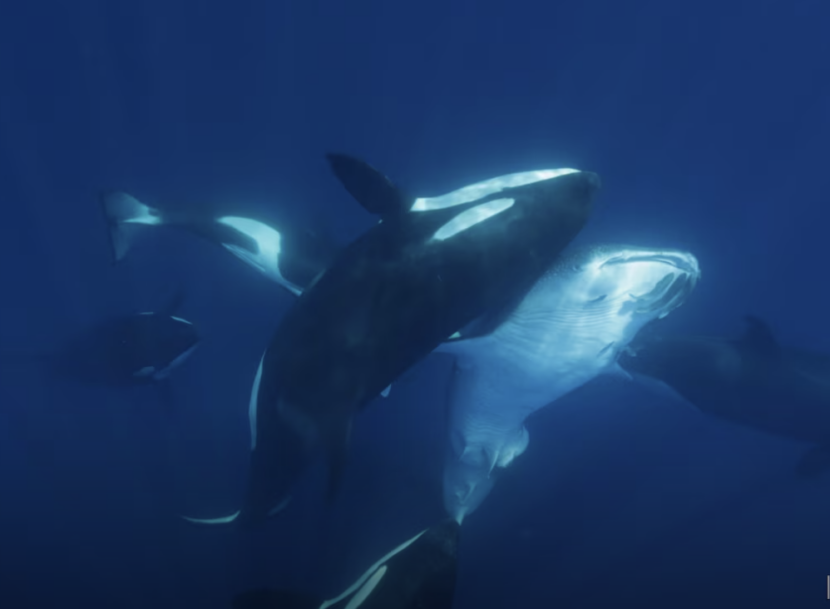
x,y
136,349
418,574
428,268
751,381
290,258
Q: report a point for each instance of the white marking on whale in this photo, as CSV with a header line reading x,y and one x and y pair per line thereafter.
x,y
253,401
269,247
371,570
479,190
471,217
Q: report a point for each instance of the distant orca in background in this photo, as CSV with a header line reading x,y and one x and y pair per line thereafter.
x,y
255,243
428,268
418,574
134,349
569,328
751,381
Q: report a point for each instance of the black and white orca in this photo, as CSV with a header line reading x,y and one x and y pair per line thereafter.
x,y
750,380
254,242
418,574
428,268
136,349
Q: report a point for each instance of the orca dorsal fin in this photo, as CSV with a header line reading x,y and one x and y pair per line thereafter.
x,y
759,337
373,190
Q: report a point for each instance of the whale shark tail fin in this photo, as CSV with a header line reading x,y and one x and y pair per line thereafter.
x,y
122,212
265,598
373,190
814,462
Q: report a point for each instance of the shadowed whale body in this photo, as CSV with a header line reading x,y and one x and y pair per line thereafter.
x,y
751,381
418,574
428,268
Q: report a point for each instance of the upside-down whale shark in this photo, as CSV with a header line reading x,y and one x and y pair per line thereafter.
x,y
428,268
569,328
750,380
420,573
257,244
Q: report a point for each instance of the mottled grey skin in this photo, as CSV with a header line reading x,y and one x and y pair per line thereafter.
x,y
386,302
751,381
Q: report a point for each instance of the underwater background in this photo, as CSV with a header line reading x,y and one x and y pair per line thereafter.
x,y
709,123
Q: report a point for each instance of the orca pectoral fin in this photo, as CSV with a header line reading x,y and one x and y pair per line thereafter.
x,y
373,190
121,211
814,462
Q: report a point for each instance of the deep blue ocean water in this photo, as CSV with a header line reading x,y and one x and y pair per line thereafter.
x,y
709,123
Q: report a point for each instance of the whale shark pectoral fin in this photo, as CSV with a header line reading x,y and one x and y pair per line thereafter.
x,y
211,521
759,337
374,191
814,462
120,211
385,392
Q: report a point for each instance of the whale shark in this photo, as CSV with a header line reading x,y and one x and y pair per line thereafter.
x,y
428,267
750,380
289,258
419,573
570,327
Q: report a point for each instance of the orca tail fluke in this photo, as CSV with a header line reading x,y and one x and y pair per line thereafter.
x,y
814,462
235,517
265,598
121,211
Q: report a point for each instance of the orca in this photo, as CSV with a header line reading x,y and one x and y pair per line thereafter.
x,y
567,329
750,380
419,573
290,258
426,269
137,349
